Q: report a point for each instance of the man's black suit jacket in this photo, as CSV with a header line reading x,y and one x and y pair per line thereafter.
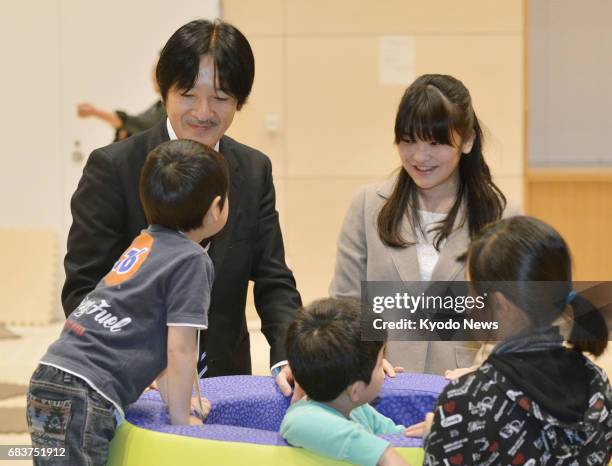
x,y
107,215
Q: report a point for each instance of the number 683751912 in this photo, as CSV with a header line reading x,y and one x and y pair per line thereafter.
x,y
35,451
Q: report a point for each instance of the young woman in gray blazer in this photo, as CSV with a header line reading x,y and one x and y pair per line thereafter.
x,y
416,225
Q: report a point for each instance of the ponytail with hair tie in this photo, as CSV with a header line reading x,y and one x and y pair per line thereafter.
x,y
589,332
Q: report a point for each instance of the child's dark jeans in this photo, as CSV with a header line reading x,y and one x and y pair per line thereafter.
x,y
65,413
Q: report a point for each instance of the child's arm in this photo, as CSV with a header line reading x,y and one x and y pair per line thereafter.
x,y
454,374
379,423
311,426
202,406
182,359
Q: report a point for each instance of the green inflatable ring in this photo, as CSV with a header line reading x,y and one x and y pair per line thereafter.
x,y
133,446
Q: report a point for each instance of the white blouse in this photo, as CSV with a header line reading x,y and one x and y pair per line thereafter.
x,y
426,252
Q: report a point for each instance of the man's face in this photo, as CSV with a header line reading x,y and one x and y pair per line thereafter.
x,y
204,112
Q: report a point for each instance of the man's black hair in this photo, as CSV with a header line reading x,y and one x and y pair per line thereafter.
x,y
179,60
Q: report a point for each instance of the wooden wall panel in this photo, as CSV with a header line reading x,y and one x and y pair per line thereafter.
x,y
267,100
318,69
28,280
579,205
345,17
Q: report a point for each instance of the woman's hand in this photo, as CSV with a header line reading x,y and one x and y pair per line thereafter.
x,y
195,421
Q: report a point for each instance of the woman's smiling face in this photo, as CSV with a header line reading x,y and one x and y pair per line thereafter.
x,y
429,163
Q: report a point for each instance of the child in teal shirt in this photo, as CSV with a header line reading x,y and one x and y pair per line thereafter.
x,y
340,374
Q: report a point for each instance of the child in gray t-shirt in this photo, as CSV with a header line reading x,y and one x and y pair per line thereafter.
x,y
141,321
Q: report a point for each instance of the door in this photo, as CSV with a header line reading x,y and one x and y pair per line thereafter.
x,y
107,53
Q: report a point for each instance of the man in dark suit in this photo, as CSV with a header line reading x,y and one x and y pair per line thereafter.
x,y
205,73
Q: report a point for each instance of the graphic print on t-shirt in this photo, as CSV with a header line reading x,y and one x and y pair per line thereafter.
x,y
131,260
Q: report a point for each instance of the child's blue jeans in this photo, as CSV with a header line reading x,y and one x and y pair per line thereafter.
x,y
65,414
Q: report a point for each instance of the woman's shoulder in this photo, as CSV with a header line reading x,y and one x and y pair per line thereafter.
x,y
369,200
512,209
378,191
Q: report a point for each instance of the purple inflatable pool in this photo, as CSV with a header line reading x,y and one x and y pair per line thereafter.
x,y
250,408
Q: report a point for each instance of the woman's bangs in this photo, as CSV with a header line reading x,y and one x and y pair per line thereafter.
x,y
430,119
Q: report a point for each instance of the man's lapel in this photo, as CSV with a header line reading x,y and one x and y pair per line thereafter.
x,y
220,242
159,134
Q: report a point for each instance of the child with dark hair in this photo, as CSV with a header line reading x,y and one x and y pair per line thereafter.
x,y
141,321
534,401
340,374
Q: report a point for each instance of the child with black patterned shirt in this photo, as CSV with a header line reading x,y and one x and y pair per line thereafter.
x,y
535,400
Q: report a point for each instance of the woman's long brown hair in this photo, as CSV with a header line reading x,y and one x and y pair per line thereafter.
x,y
432,109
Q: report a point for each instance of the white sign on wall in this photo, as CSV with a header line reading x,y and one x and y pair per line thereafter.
x,y
396,59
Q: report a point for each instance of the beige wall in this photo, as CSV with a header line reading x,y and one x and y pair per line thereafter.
x,y
317,69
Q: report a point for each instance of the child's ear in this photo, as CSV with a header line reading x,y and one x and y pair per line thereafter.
x,y
512,318
214,211
355,390
467,145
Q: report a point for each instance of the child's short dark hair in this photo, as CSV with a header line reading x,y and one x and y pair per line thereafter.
x,y
179,181
325,350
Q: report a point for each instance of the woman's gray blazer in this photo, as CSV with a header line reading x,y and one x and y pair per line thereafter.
x,y
362,256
